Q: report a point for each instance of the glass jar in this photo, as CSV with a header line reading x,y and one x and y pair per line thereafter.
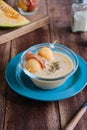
x,y
79,16
28,7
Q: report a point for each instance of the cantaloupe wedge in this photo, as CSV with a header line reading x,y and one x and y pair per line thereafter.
x,y
9,17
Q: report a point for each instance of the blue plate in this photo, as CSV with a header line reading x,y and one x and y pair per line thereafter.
x,y
23,85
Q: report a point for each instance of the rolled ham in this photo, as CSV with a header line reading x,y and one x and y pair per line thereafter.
x,y
41,60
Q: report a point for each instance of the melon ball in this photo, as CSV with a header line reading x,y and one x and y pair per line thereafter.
x,y
22,5
32,65
46,53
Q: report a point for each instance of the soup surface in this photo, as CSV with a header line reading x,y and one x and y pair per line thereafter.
x,y
58,66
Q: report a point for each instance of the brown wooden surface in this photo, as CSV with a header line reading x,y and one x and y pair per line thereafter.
x,y
19,113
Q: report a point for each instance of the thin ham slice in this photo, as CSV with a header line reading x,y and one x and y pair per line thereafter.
x,y
41,60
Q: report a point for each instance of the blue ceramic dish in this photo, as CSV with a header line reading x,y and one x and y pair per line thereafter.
x,y
22,84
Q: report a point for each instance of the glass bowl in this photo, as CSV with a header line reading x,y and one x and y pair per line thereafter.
x,y
53,82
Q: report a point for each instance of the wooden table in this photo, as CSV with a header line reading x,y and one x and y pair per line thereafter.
x,y
19,113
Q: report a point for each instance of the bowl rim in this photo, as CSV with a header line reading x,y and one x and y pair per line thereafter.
x,y
31,75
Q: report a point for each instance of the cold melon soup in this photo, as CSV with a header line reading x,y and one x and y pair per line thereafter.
x,y
48,65
58,66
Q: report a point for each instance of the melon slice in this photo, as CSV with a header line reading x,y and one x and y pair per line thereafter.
x,y
9,17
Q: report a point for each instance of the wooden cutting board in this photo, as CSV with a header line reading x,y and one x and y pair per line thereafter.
x,y
36,21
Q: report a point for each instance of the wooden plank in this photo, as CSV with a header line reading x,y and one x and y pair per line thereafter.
x,y
4,54
24,30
